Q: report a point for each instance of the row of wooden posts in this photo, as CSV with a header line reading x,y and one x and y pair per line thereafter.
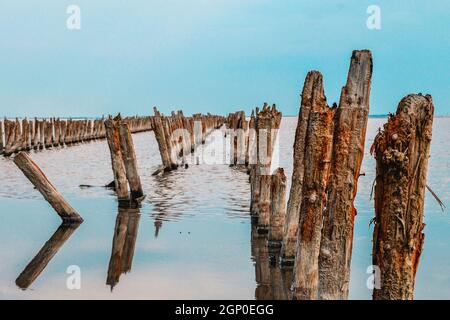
x,y
178,136
24,135
314,232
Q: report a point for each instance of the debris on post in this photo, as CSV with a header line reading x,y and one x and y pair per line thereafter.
x,y
401,151
31,170
348,151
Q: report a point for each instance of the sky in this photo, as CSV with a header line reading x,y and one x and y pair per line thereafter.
x,y
215,56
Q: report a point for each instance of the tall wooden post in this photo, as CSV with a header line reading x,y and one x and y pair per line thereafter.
x,y
316,163
130,162
348,151
401,151
312,89
118,167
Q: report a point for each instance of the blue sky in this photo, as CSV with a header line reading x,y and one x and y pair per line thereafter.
x,y
217,55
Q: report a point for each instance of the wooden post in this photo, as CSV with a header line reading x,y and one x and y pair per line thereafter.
x,y
161,140
48,251
278,208
118,167
36,134
348,151
25,135
268,121
31,170
312,88
401,151
318,148
130,162
1,137
42,129
17,146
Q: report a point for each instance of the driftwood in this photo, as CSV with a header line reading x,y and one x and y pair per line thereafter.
x,y
318,145
348,151
48,251
31,170
401,151
118,167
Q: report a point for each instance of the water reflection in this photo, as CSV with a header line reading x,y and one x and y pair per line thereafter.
x,y
272,282
47,252
124,242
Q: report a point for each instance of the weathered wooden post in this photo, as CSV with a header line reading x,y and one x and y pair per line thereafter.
x,y
31,170
278,208
130,162
17,136
268,124
36,134
42,128
1,137
318,148
348,151
161,140
401,151
25,135
312,88
118,167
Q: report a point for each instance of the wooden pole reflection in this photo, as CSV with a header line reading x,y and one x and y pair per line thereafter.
x,y
124,241
47,252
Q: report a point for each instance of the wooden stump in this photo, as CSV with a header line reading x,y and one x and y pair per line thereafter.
x,y
118,167
31,170
348,151
401,151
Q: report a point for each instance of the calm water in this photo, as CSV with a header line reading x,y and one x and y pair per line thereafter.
x,y
192,238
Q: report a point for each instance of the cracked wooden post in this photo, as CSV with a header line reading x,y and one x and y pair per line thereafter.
x,y
311,88
118,167
401,151
348,151
130,162
268,122
31,170
316,162
278,208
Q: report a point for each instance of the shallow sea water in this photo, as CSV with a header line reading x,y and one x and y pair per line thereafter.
x,y
192,238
